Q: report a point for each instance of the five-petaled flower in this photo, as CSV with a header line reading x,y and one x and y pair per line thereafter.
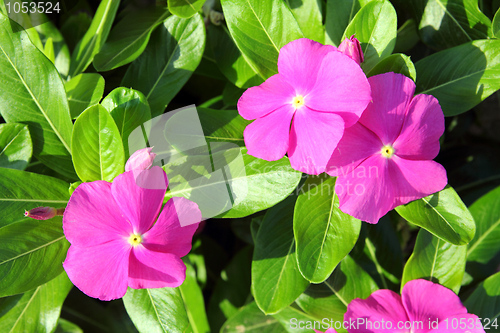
x,y
118,240
319,91
385,160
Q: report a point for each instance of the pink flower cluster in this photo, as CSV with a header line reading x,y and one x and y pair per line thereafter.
x,y
372,134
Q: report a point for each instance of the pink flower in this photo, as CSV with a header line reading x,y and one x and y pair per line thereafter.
x,y
385,160
41,213
427,306
115,241
352,48
330,330
141,159
319,90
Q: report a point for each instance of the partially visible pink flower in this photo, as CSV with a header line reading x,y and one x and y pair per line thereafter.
x,y
319,91
43,213
385,160
423,304
352,48
141,159
120,236
330,330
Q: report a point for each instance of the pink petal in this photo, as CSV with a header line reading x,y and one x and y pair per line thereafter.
x,y
366,193
455,324
138,205
330,330
258,101
299,62
92,216
341,87
268,137
392,94
313,139
99,271
150,269
423,125
424,300
383,305
167,235
357,144
415,179
142,159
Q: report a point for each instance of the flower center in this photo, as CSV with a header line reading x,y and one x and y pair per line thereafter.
x,y
387,151
298,101
135,239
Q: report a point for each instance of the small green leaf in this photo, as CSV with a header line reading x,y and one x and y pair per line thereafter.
x,y
97,145
397,63
15,146
436,260
485,301
443,214
48,50
84,90
185,8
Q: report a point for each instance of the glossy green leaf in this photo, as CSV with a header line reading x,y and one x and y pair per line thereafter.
x,y
84,90
330,298
495,26
251,320
129,38
324,234
485,301
94,38
173,53
338,16
48,50
443,214
130,109
20,191
185,8
47,31
156,310
193,299
32,93
15,146
375,26
309,16
260,29
486,213
31,254
397,63
461,77
65,326
97,145
38,309
436,260
276,279
447,23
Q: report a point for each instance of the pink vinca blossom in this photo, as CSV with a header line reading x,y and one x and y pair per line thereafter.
x,y
141,159
423,307
119,241
352,48
330,330
319,91
385,160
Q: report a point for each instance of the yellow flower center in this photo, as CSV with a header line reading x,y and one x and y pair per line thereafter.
x,y
135,239
298,101
387,151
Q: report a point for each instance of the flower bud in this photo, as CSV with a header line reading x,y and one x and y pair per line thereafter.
x,y
43,213
142,159
352,48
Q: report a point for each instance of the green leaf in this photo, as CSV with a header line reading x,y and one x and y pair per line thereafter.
x,y
185,8
20,191
309,16
94,38
97,145
84,90
75,27
443,214
495,26
461,77
129,38
32,93
260,29
251,319
323,233
485,301
173,53
65,326
193,300
447,23
31,254
15,146
436,260
130,109
338,16
407,36
48,50
38,309
375,26
330,298
276,279
158,310
486,213
397,63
